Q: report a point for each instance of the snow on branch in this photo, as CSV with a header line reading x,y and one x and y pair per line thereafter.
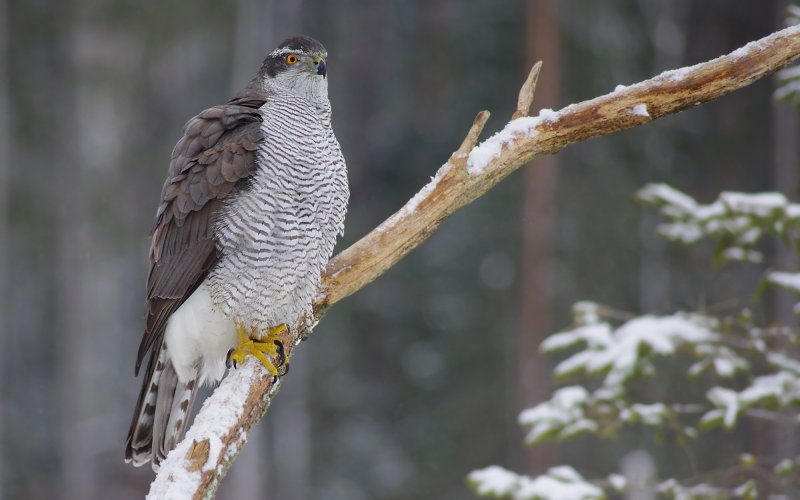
x,y
558,483
736,221
195,467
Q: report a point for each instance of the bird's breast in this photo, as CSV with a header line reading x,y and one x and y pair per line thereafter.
x,y
277,235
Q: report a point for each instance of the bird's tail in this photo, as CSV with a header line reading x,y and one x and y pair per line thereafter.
x,y
162,412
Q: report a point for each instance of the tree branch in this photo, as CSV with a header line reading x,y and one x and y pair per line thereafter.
x,y
195,467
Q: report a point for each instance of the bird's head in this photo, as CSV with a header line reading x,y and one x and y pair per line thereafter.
x,y
298,64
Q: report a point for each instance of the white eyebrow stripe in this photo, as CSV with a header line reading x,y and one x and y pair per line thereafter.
x,y
284,51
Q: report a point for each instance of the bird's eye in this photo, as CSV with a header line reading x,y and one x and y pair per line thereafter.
x,y
291,59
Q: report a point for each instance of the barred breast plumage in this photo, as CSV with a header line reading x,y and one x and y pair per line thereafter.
x,y
277,236
255,196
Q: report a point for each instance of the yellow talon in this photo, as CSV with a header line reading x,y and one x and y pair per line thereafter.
x,y
258,347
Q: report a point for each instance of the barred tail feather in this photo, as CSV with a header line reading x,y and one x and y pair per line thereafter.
x,y
162,412
173,404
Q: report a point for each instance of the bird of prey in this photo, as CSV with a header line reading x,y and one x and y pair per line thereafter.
x,y
255,197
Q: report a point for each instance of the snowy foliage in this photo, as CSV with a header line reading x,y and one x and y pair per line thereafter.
x,y
735,221
738,370
562,417
622,353
559,483
777,390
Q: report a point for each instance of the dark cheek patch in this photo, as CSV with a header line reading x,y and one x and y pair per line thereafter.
x,y
274,65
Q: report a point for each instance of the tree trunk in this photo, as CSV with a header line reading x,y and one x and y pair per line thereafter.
x,y
542,42
783,442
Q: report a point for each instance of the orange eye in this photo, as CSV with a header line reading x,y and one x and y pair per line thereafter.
x,y
291,59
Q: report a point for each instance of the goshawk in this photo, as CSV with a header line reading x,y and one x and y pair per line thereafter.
x,y
255,197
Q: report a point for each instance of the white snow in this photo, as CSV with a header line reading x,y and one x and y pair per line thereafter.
x,y
219,413
787,88
562,414
559,483
586,312
783,387
788,73
740,218
755,46
673,489
490,149
780,388
725,361
493,480
685,233
728,401
548,115
760,204
785,466
664,193
724,367
647,414
759,45
595,336
618,353
679,73
742,255
618,482
790,281
640,110
784,362
411,206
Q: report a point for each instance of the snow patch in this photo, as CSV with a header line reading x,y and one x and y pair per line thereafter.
x,y
640,110
784,362
754,46
493,481
488,150
780,388
789,281
219,413
411,206
759,204
678,74
560,483
789,73
548,115
619,353
728,401
562,415
663,193
647,414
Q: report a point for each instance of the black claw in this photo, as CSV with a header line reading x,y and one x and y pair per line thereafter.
x,y
284,370
281,352
228,358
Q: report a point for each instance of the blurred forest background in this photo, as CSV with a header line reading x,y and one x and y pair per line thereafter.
x,y
410,384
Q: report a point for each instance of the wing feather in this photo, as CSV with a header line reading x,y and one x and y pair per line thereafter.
x,y
212,159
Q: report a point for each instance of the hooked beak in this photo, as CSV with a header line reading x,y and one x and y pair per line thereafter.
x,y
321,68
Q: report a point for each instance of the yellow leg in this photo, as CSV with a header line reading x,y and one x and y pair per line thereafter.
x,y
258,348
